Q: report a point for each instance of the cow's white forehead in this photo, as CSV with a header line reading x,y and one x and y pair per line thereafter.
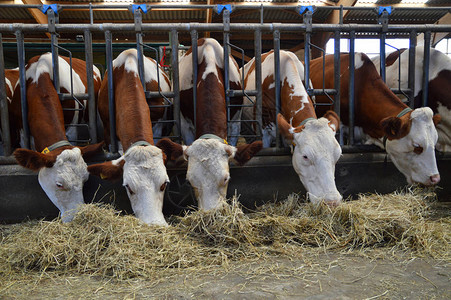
x,y
316,128
143,154
71,167
206,148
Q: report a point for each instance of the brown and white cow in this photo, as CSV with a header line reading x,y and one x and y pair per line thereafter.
x,y
316,151
142,166
62,170
439,89
209,154
11,80
407,136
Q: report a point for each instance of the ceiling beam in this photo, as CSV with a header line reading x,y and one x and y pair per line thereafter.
x,y
37,14
438,36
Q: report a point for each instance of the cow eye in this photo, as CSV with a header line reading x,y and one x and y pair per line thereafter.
x,y
163,186
418,150
305,157
129,189
59,184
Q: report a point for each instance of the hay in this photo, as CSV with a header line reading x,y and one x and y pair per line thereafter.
x,y
101,242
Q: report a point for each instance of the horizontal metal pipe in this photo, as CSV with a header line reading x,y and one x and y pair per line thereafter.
x,y
158,94
71,97
240,93
322,92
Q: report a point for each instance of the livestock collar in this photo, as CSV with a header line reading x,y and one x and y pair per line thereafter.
x,y
213,136
55,146
306,120
138,143
402,113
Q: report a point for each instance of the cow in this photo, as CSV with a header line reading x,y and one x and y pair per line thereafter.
x,y
209,153
11,80
61,167
439,87
408,136
142,165
316,151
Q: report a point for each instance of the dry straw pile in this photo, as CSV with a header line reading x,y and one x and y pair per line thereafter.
x,y
101,242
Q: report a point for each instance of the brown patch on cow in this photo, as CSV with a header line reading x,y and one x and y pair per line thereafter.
x,y
392,57
34,160
245,152
333,119
439,91
252,66
396,128
171,149
107,170
13,76
284,127
436,119
90,150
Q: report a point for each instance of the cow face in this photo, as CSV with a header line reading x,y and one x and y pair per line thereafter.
x,y
315,154
410,145
144,178
61,177
208,166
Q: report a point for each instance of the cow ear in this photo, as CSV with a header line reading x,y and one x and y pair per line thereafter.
x,y
286,129
436,119
107,170
89,151
245,152
34,160
394,127
334,120
170,148
230,150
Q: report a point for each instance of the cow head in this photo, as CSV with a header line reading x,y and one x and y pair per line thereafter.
x,y
410,144
315,154
61,175
208,166
144,177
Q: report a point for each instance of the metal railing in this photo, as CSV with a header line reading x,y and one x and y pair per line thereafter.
x,y
305,27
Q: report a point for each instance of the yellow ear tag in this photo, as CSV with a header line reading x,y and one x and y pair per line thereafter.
x,y
102,176
225,142
46,150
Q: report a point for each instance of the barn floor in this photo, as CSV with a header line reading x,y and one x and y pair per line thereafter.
x,y
323,276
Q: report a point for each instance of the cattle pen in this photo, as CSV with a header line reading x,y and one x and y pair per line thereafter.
x,y
363,173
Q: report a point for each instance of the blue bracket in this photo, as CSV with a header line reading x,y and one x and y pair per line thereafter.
x,y
381,9
302,9
219,8
44,8
143,7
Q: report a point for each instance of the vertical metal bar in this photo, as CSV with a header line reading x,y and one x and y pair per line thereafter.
x,y
52,19
23,88
276,35
226,22
382,56
111,102
426,60
411,72
175,82
139,46
258,80
6,136
351,86
92,113
307,61
194,37
337,78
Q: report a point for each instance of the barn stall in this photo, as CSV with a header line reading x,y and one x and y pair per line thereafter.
x,y
244,30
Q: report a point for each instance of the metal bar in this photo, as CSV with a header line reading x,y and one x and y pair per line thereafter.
x,y
150,94
411,72
258,80
194,53
23,88
92,112
226,41
337,72
426,60
6,134
276,35
351,87
382,56
241,93
53,20
111,102
139,46
175,82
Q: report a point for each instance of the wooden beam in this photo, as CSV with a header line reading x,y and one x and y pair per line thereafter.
x,y
209,17
438,36
238,54
37,14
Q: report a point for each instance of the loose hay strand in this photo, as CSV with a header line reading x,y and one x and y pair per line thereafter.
x,y
99,241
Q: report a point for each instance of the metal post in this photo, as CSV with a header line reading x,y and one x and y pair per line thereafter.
x,y
226,22
384,21
351,86
258,80
175,82
139,46
194,37
111,102
426,60
308,17
411,72
6,135
276,35
53,19
23,88
92,113
337,78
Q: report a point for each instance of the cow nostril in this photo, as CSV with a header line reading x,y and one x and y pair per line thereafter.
x,y
435,179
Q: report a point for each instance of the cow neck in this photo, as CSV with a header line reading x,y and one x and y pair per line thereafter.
x,y
214,137
138,143
210,111
55,146
132,111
